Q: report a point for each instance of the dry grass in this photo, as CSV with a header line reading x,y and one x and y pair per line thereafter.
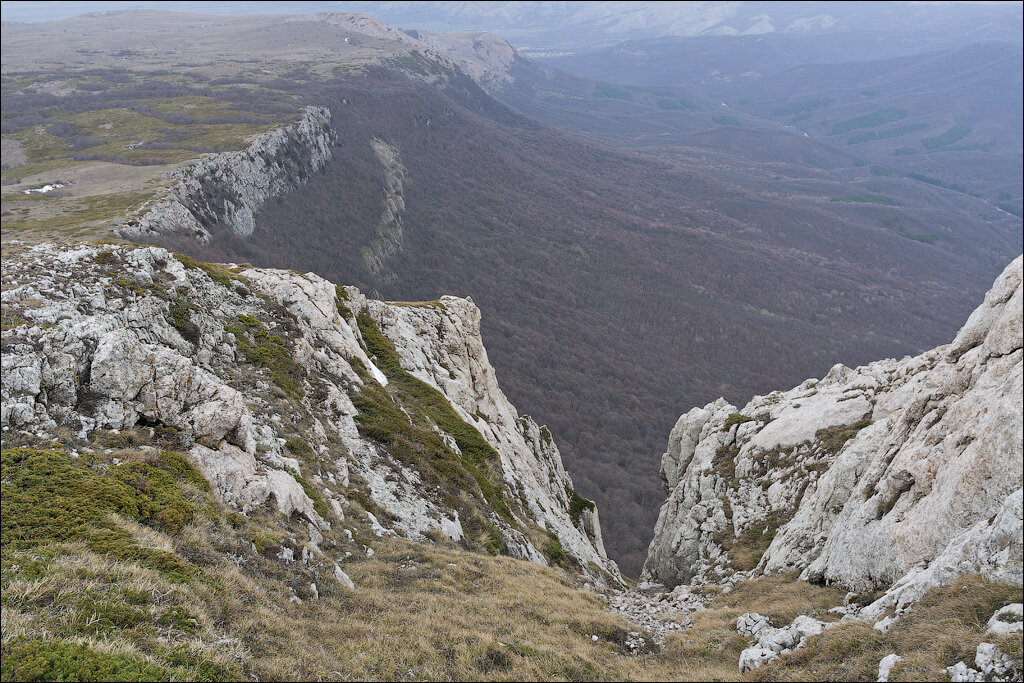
x,y
782,598
423,611
710,651
435,612
945,627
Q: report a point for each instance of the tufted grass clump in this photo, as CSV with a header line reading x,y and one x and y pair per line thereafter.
x,y
735,419
832,439
341,303
577,504
746,550
553,551
80,500
724,464
180,314
10,321
318,500
298,446
217,272
269,351
944,627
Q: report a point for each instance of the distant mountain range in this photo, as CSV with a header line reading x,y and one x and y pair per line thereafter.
x,y
572,26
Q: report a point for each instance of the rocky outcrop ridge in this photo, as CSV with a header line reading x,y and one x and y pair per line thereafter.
x,y
257,373
441,345
228,189
484,57
896,476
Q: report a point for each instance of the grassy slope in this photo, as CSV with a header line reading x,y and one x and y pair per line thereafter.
x,y
221,605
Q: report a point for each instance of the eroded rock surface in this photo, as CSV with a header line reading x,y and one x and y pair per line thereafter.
x,y
255,372
899,475
440,344
992,665
228,189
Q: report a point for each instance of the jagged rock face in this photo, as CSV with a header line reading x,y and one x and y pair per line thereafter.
x,y
229,188
105,337
441,345
897,475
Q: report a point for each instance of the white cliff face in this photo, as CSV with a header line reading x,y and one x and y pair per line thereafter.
x,y
899,475
241,364
440,344
230,188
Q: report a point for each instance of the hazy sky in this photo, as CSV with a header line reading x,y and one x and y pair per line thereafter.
x,y
609,22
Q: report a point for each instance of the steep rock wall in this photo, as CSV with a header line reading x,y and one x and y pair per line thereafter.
x,y
229,188
441,345
898,475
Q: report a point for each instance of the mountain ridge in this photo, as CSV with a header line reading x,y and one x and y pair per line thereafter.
x,y
423,197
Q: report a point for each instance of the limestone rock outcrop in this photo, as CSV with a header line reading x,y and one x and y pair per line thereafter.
x,y
228,189
770,642
441,345
896,476
255,372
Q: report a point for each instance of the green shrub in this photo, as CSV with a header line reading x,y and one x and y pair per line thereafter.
x,y
10,321
1012,207
298,446
341,303
878,118
609,91
894,132
180,315
217,272
553,550
67,661
832,439
577,504
262,349
103,257
735,419
803,107
48,498
670,103
958,132
868,198
318,500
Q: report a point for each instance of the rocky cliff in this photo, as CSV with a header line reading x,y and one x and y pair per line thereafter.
x,y
287,391
896,476
484,57
229,188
